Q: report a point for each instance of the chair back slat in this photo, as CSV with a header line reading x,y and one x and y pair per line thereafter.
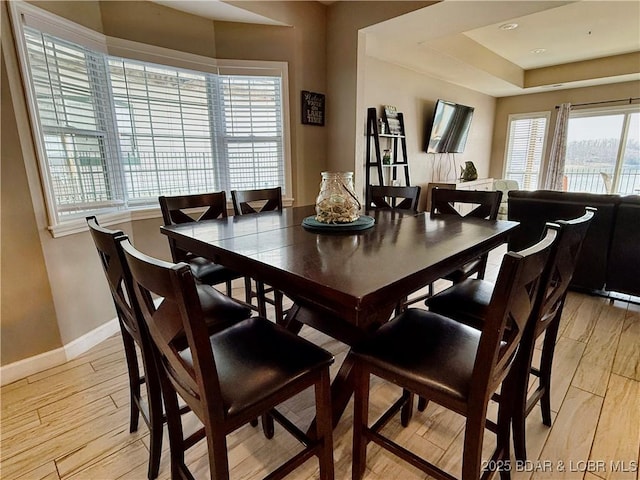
x,y
515,293
243,199
487,202
389,196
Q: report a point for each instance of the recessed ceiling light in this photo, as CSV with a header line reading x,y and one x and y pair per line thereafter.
x,y
508,26
538,51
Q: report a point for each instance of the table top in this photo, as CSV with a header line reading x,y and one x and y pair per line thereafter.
x,y
349,273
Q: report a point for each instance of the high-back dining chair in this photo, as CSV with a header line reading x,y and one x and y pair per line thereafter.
x,y
468,302
446,201
134,333
485,204
246,201
397,197
230,377
210,206
258,201
452,364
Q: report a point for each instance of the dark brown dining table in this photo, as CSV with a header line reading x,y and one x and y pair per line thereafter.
x,y
343,283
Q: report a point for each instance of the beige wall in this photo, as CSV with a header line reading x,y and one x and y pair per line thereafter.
x,y
415,95
27,314
346,111
546,102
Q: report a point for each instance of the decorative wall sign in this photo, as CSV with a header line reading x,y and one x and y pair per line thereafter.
x,y
312,108
390,115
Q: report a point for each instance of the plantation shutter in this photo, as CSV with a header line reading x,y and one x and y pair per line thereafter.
x,y
69,84
164,130
250,131
525,150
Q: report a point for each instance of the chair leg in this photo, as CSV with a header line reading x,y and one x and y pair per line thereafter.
x,y
154,400
473,438
133,370
360,421
324,426
546,364
422,404
407,409
229,288
268,426
519,378
218,459
262,304
278,299
509,392
247,290
174,426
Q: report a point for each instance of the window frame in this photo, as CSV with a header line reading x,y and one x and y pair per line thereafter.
x,y
23,14
507,148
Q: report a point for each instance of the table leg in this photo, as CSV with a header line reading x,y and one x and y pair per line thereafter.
x,y
342,384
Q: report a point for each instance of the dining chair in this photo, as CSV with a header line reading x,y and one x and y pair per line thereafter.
x,y
469,301
134,333
230,377
482,204
207,206
431,186
452,364
396,197
258,201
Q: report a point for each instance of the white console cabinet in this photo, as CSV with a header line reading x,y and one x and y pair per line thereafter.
x,y
479,184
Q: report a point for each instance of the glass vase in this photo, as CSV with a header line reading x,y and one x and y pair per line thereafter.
x,y
337,201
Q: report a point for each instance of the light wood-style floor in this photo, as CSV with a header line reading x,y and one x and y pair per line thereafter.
x,y
71,422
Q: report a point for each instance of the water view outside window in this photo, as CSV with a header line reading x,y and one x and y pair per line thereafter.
x,y
603,153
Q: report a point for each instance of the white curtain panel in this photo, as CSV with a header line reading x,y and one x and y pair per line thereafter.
x,y
555,169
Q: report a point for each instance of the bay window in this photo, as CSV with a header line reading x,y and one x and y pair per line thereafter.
x,y
116,132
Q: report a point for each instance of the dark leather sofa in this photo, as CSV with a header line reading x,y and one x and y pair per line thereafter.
x,y
610,256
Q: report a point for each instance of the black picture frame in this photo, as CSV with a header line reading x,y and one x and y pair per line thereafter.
x,y
312,108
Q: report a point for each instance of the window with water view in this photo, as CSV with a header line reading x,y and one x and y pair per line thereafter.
x,y
603,150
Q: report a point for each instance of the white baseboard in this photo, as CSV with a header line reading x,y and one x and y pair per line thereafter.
x,y
91,339
30,366
38,363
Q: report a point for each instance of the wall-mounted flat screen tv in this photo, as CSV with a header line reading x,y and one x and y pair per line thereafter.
x,y
450,128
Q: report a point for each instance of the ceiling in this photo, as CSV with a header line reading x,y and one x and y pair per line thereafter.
x,y
461,41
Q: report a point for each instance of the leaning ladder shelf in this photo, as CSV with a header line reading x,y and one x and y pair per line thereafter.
x,y
374,156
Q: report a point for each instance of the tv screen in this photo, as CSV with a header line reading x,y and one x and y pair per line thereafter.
x,y
450,128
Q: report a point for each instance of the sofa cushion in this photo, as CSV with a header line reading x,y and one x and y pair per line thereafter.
x,y
534,208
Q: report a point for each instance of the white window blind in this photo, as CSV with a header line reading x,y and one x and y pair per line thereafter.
x,y
525,149
251,133
117,133
73,108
